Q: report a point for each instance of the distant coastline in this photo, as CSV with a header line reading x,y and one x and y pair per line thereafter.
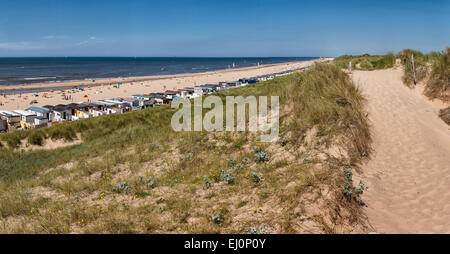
x,y
35,74
63,93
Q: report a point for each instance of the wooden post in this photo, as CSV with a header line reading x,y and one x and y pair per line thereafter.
x,y
413,69
350,66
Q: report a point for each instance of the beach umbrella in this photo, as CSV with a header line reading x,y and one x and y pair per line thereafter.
x,y
85,96
35,95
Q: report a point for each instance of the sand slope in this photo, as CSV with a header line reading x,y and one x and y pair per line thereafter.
x,y
408,174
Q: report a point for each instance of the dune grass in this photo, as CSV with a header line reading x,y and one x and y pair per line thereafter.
x,y
432,68
365,62
420,65
133,174
438,85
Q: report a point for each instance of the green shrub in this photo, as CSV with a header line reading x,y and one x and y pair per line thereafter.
x,y
36,138
265,229
226,176
217,218
256,179
206,183
261,155
120,187
14,139
63,131
151,182
349,190
348,173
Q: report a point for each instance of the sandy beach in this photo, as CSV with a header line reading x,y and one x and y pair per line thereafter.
x,y
104,89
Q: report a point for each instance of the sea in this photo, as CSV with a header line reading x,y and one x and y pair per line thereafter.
x,y
14,71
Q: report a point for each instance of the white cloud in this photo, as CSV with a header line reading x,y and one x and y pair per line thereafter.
x,y
19,45
90,40
82,43
50,37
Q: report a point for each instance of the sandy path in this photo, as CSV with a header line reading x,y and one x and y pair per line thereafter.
x,y
409,173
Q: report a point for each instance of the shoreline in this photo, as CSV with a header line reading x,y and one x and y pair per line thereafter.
x,y
63,93
107,81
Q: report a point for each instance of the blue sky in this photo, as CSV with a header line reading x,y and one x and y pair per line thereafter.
x,y
220,28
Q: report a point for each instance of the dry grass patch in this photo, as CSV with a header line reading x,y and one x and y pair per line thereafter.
x,y
132,174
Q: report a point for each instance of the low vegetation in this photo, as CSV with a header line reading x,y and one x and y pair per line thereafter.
x,y
132,174
433,68
365,62
444,114
421,65
438,85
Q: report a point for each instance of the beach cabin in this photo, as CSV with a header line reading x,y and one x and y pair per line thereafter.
x,y
251,81
120,105
51,114
132,102
157,95
159,98
191,92
243,81
209,88
227,85
141,97
108,108
60,113
182,93
143,101
3,125
147,103
39,111
27,118
233,84
96,109
80,111
11,118
40,122
156,102
262,78
198,92
72,107
170,94
202,90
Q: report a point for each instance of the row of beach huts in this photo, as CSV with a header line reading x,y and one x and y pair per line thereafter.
x,y
38,117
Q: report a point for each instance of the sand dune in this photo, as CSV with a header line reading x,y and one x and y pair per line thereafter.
x,y
409,173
